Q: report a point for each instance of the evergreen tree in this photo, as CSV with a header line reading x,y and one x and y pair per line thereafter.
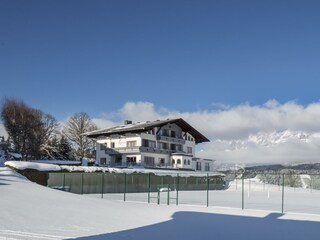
x,y
65,150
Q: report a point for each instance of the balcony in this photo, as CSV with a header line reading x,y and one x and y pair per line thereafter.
x,y
122,150
137,149
155,150
171,139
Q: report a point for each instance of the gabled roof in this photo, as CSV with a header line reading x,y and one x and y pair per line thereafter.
x,y
146,126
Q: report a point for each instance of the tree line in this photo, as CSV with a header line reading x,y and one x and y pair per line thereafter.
x,y
38,135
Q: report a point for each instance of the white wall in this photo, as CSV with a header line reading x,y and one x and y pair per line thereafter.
x,y
182,159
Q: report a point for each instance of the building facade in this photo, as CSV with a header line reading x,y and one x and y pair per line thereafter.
x,y
154,144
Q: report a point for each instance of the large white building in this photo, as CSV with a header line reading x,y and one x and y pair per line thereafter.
x,y
153,144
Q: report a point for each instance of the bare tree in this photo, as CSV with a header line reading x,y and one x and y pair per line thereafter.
x,y
74,129
47,134
29,129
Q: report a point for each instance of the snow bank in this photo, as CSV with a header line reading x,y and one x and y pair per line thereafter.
x,y
20,165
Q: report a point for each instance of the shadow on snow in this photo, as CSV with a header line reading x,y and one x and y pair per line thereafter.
x,y
195,225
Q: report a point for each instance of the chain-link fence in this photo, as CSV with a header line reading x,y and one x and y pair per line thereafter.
x,y
265,191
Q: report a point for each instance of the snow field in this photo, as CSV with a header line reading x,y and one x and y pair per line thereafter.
x,y
30,211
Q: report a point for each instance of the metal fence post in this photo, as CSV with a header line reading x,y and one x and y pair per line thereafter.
x,y
102,184
125,187
177,194
64,181
242,202
236,183
149,186
168,195
207,189
282,203
81,183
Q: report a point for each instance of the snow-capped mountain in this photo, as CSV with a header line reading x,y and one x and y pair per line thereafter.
x,y
285,147
270,139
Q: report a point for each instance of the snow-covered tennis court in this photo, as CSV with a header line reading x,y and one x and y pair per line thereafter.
x,y
256,195
31,211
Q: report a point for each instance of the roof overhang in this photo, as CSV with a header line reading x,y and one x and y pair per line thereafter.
x,y
146,126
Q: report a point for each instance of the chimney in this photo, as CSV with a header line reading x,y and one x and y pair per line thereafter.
x,y
126,122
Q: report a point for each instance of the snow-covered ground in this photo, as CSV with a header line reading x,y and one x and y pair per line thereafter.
x,y
30,211
257,195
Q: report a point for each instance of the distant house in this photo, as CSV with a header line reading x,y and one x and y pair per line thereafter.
x,y
166,143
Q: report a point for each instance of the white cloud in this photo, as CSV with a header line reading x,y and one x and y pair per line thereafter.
x,y
103,123
285,147
232,128
139,111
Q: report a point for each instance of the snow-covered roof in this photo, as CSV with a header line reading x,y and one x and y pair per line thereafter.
x,y
21,165
58,162
146,126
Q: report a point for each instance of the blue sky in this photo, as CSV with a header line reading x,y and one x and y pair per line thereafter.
x,y
244,73
94,56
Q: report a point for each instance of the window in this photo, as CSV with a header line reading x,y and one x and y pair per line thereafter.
x,y
189,149
179,147
165,132
164,145
152,131
131,143
198,166
112,144
152,144
144,143
188,162
173,161
132,160
148,161
103,146
148,143
173,134
103,161
161,160
207,167
178,161
185,162
173,147
118,159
